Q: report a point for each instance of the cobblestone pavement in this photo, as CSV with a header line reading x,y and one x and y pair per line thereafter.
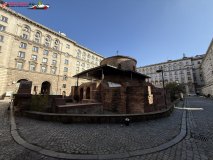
x,y
142,135
199,127
9,149
99,138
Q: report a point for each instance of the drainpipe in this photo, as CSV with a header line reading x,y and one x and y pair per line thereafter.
x,y
59,73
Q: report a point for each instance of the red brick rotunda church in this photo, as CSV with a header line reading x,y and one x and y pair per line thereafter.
x,y
121,89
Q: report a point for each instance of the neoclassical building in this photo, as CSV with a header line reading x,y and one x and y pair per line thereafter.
x,y
207,66
187,71
32,52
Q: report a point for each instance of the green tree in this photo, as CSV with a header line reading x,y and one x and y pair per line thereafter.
x,y
175,90
39,102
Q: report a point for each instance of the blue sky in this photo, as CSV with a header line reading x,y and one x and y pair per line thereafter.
x,y
150,31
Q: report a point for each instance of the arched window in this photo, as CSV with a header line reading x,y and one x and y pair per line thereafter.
x,y
119,66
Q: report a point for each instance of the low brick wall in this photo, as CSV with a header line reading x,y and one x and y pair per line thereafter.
x,y
91,108
100,118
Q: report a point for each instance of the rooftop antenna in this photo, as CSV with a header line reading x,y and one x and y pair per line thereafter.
x,y
184,55
117,53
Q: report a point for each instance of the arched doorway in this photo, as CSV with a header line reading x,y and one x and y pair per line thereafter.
x,y
21,80
81,94
88,93
45,87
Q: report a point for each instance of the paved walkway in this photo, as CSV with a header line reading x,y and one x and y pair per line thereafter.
x,y
89,139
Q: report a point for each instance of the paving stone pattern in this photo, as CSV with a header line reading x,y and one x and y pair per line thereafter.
x,y
199,122
9,149
99,138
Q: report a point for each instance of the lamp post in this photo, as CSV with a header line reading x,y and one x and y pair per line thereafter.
x,y
158,71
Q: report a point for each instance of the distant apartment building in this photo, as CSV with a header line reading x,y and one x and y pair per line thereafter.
x,y
30,51
186,71
207,67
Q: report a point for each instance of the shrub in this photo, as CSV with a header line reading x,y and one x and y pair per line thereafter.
x,y
88,96
38,102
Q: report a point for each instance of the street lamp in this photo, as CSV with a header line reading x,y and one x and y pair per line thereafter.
x,y
158,71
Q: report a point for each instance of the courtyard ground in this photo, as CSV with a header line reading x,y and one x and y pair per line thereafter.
x,y
107,139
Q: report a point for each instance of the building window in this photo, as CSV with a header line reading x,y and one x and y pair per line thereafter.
x,y
187,63
0,48
87,60
192,63
64,77
180,67
182,81
64,86
189,78
2,28
26,29
188,73
193,72
66,61
165,77
180,63
164,74
19,65
176,77
35,49
92,62
83,64
160,78
46,44
82,69
156,75
21,54
55,47
83,59
67,55
193,66
54,62
68,46
170,77
56,42
175,68
198,62
36,40
46,52
176,73
88,66
187,68
47,38
34,57
78,63
182,76
55,55
156,79
32,67
164,69
170,73
65,69
1,38
43,69
4,19
37,34
23,45
24,36
44,60
181,72
77,68
175,64
53,71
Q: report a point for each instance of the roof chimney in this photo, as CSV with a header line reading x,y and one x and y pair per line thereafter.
x,y
184,55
